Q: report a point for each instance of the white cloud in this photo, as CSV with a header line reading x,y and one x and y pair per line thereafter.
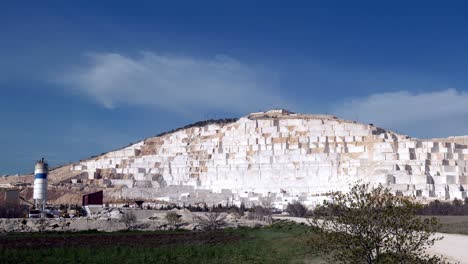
x,y
440,113
184,84
174,83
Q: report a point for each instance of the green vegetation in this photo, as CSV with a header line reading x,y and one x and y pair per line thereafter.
x,y
371,225
365,225
129,219
173,219
283,242
453,224
296,209
456,207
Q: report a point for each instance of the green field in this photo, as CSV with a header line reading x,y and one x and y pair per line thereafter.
x,y
453,224
283,242
279,243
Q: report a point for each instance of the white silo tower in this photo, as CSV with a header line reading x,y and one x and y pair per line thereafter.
x,y
40,184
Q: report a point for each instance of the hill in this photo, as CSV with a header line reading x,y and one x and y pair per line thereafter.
x,y
275,156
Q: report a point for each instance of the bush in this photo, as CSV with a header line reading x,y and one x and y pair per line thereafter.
x,y
173,219
371,225
457,207
211,220
261,213
239,210
129,219
457,202
296,209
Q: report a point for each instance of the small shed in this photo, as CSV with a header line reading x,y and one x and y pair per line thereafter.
x,y
95,198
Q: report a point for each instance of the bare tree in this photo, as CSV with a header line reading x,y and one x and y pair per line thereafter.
x,y
129,219
268,210
371,225
263,212
211,220
173,219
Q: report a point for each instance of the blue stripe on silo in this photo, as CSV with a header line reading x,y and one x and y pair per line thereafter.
x,y
41,176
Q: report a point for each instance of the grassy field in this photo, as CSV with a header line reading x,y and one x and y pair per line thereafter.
x,y
454,224
279,243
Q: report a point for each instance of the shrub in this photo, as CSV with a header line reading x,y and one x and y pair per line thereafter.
x,y
374,226
173,219
129,219
296,209
242,209
457,207
211,220
261,213
457,202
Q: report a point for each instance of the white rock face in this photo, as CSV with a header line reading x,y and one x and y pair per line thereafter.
x,y
285,156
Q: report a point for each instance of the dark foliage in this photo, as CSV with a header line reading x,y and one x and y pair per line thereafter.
x,y
261,213
457,207
296,209
211,220
230,208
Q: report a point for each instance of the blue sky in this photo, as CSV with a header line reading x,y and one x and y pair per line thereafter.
x,y
84,78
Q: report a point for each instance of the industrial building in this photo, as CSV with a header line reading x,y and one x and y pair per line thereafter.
x,y
93,202
40,184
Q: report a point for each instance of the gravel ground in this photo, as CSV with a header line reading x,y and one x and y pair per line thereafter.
x,y
453,247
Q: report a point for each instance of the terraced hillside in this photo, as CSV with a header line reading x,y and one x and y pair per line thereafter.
x,y
275,156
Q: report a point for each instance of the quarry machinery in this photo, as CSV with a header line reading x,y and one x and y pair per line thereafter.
x,y
41,170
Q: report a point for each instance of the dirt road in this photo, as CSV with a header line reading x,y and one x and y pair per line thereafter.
x,y
453,247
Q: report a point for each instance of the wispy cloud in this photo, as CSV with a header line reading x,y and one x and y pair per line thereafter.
x,y
185,84
173,83
440,113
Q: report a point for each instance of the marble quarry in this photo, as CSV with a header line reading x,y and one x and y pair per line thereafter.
x,y
278,157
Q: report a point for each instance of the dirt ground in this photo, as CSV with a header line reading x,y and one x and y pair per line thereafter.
x,y
116,239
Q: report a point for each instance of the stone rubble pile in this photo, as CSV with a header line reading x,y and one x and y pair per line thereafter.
x,y
111,220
